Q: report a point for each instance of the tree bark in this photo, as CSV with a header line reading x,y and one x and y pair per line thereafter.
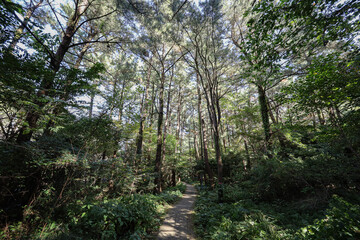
x,y
158,158
179,107
281,137
247,166
202,128
206,156
264,115
153,94
197,153
167,121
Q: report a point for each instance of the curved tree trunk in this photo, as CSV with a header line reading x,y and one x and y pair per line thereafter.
x,y
33,116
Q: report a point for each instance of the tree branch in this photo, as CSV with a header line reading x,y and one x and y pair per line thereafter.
x,y
177,11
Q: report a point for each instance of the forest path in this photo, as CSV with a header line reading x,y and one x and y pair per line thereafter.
x,y
178,224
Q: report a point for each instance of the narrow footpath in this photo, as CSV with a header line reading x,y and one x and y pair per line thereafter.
x,y
178,224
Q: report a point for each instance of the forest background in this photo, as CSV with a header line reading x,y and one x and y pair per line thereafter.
x,y
106,105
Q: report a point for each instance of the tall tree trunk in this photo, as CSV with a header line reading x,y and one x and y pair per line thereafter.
x,y
203,137
197,153
224,138
218,153
33,116
121,100
281,137
189,144
206,155
167,121
177,135
71,28
158,163
151,120
264,115
173,177
179,107
247,166
66,94
213,107
143,111
215,116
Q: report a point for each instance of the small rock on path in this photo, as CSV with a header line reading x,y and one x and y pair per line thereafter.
x,y
178,223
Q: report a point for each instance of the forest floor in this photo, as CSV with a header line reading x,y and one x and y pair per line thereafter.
x,y
178,224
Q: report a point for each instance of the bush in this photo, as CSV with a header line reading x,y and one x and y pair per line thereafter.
x,y
255,226
232,220
130,217
247,219
342,221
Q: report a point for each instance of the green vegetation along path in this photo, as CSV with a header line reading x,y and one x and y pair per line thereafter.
x,y
178,222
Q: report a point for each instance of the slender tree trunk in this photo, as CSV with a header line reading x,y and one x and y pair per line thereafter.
x,y
151,120
264,115
223,139
143,111
206,156
215,117
121,100
173,177
214,113
177,134
189,138
247,166
218,154
179,107
167,121
197,153
201,129
203,136
158,158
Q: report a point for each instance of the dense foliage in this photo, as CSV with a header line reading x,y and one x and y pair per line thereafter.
x,y
240,217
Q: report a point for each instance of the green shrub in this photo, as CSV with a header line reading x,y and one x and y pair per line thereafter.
x,y
129,217
255,226
342,221
232,221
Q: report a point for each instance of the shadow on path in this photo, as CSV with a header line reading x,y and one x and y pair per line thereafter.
x,y
178,223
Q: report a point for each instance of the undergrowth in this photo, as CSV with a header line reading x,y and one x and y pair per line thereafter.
x,y
135,216
240,217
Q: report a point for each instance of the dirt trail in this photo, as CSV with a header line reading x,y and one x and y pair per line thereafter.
x,y
178,223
